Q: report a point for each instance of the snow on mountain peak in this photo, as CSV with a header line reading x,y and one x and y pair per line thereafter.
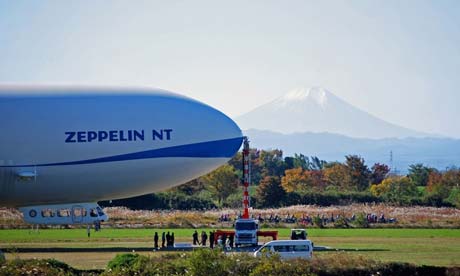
x,y
317,94
317,110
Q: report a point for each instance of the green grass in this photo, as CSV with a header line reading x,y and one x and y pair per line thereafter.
x,y
56,235
419,246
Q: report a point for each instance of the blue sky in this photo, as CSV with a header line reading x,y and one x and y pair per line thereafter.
x,y
398,60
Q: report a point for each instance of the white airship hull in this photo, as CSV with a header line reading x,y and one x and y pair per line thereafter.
x,y
61,145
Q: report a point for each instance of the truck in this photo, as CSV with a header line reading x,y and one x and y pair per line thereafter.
x,y
298,234
246,231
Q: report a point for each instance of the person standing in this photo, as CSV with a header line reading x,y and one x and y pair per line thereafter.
x,y
195,237
155,241
227,243
231,239
224,240
163,239
204,237
211,239
88,230
168,239
172,239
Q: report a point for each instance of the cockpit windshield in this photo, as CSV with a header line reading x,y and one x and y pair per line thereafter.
x,y
245,226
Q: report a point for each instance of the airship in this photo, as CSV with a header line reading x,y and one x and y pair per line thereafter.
x,y
64,148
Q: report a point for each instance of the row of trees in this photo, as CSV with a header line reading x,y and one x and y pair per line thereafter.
x,y
300,179
282,181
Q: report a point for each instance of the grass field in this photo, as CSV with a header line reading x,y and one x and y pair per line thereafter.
x,y
77,235
419,246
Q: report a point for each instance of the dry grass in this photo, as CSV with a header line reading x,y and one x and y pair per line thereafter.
x,y
122,217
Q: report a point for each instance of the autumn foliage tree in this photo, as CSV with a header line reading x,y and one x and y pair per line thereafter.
x,y
336,175
270,193
222,182
434,183
358,172
395,189
299,179
293,179
379,173
441,184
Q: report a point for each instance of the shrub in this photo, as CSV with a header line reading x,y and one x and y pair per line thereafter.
x,y
454,197
2,257
361,221
233,201
273,266
123,261
318,222
207,262
36,267
341,222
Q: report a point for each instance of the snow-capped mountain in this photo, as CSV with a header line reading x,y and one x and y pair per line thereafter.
x,y
318,110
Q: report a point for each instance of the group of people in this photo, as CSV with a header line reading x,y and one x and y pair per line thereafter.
x,y
276,218
224,241
325,219
271,219
167,240
373,218
225,218
204,238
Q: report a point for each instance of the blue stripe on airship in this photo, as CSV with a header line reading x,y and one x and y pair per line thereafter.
x,y
212,149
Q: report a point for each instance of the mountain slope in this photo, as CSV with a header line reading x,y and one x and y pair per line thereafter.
x,y
436,152
318,110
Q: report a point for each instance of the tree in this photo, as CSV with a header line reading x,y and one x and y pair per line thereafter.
x,y
300,179
336,175
222,182
358,172
419,174
315,180
395,189
301,161
237,163
190,188
304,162
441,184
289,162
436,185
317,164
293,179
379,173
270,193
272,163
451,178
454,197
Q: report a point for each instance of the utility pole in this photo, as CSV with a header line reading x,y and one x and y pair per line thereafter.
x,y
391,162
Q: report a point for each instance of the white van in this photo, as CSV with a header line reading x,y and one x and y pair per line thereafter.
x,y
287,249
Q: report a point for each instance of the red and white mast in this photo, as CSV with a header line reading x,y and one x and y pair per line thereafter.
x,y
246,177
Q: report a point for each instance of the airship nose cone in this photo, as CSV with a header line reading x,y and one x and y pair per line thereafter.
x,y
223,135
232,136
